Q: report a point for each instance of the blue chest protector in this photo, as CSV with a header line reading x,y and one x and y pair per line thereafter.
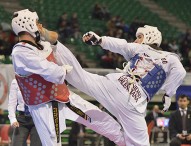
x,y
154,79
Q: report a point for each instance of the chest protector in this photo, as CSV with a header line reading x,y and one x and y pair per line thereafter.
x,y
153,78
36,90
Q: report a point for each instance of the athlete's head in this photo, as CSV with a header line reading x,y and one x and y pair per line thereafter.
x,y
26,21
148,35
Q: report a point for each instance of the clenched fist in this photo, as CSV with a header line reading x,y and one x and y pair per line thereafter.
x,y
91,38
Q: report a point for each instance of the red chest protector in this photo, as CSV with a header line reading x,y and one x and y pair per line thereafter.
x,y
36,90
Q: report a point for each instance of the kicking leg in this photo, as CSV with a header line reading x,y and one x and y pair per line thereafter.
x,y
91,84
101,122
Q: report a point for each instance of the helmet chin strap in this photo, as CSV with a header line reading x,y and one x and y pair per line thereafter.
x,y
37,39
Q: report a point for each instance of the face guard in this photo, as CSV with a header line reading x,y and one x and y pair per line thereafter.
x,y
151,35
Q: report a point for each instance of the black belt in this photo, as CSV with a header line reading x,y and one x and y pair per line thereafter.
x,y
56,116
78,112
55,111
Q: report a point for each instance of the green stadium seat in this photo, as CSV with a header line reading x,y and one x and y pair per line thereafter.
x,y
178,8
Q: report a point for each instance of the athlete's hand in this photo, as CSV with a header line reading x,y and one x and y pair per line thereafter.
x,y
166,103
15,124
188,138
68,68
91,38
181,136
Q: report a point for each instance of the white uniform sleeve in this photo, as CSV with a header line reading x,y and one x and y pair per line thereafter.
x,y
12,102
175,76
128,50
28,61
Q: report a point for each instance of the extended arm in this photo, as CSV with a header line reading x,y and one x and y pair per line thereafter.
x,y
116,45
28,61
12,102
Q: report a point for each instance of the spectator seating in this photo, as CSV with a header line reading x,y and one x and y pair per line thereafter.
x,y
5,16
50,11
181,9
65,134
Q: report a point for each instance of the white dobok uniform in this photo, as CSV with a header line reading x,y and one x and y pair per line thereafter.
x,y
16,102
27,60
121,93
